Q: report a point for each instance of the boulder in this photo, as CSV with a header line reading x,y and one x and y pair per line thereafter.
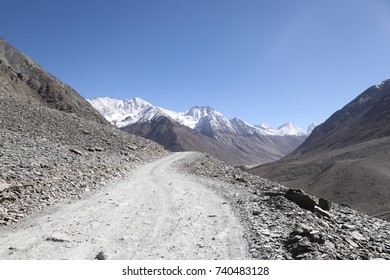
x,y
324,204
101,256
301,199
75,151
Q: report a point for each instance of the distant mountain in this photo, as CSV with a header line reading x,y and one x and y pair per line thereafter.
x,y
202,129
22,77
347,158
128,111
365,118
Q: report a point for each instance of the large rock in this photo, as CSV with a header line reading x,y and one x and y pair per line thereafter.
x,y
3,186
301,199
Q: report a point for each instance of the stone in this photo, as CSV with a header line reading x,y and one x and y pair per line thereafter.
x,y
357,236
131,147
302,228
301,199
349,227
256,212
8,196
322,212
352,243
3,186
58,237
101,256
75,151
239,179
324,204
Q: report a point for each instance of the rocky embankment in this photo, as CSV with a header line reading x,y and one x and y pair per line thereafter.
x,y
288,224
47,156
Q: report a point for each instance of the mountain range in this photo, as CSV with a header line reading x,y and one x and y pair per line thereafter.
x,y
347,158
203,129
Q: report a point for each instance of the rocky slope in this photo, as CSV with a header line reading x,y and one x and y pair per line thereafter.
x,y
53,144
287,224
365,118
22,77
47,155
345,159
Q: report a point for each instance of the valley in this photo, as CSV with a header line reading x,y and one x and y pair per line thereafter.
x,y
74,186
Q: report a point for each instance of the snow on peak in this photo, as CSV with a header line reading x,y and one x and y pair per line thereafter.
x,y
291,129
265,126
287,129
311,127
383,83
206,113
122,113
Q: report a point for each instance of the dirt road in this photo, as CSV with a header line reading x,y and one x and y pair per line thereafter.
x,y
159,212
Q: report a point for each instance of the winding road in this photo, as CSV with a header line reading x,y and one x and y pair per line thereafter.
x,y
159,212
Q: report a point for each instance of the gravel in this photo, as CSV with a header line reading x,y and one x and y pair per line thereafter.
x,y
280,229
47,156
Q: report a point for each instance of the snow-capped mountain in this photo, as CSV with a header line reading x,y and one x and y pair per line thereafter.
x,y
311,127
122,113
202,129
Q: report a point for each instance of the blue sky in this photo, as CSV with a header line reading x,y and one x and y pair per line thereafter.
x,y
261,61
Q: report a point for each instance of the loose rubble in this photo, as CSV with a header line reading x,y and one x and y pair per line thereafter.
x,y
47,156
281,229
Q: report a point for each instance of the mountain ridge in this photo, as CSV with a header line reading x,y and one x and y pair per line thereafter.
x,y
190,118
345,159
351,124
202,129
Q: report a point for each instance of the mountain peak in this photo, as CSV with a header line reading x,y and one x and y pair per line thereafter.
x,y
120,112
383,84
311,127
291,129
125,112
201,111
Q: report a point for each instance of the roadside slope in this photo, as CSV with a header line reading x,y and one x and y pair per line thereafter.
x,y
156,213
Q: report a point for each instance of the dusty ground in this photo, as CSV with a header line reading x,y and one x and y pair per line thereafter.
x,y
158,212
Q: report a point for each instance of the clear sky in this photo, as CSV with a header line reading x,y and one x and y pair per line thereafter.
x,y
261,61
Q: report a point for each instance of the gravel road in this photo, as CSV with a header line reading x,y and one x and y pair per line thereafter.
x,y
159,212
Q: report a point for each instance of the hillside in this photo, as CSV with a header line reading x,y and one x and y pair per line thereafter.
x,y
56,146
345,159
21,77
365,118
